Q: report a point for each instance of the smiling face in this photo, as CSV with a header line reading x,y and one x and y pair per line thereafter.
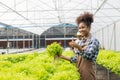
x,y
83,29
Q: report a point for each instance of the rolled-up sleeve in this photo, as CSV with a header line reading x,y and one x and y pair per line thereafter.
x,y
91,51
73,59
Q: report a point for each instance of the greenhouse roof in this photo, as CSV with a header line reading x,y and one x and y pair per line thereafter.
x,y
38,15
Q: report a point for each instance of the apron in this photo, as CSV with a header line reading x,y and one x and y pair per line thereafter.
x,y
85,68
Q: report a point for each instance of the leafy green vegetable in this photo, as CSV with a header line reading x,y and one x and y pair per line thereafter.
x,y
54,49
110,60
36,66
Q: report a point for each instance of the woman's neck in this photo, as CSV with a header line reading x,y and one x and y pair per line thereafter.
x,y
87,36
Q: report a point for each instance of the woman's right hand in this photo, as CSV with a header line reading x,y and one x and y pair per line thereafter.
x,y
73,44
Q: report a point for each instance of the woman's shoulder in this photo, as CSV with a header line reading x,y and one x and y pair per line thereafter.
x,y
95,40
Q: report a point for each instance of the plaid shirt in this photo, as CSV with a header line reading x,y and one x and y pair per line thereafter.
x,y
91,51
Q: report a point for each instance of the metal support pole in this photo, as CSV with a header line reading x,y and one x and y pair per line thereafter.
x,y
108,74
33,41
36,41
114,36
102,37
17,39
23,40
7,39
39,41
64,36
13,40
45,40
29,40
108,37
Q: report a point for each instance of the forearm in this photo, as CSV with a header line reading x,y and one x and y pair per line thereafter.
x,y
64,57
79,48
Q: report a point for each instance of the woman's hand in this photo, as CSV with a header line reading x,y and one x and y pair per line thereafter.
x,y
73,44
84,47
57,56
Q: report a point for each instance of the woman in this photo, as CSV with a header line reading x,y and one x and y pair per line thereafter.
x,y
88,48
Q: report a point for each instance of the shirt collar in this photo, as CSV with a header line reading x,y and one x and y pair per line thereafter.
x,y
89,39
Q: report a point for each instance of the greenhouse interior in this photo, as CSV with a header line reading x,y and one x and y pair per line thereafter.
x,y
30,27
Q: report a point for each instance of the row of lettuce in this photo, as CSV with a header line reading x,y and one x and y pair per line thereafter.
x,y
41,66
110,60
36,66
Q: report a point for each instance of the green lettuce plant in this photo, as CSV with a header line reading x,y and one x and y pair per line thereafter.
x,y
54,49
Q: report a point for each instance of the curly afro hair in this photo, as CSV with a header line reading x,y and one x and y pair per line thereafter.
x,y
87,18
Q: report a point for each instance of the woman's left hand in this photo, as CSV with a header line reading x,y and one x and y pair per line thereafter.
x,y
84,47
73,44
